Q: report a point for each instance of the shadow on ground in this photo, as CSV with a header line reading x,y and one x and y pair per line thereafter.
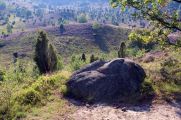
x,y
141,104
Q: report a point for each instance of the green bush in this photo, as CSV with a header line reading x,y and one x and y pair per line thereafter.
x,y
147,88
171,70
6,100
22,71
141,40
135,52
18,111
93,58
63,89
76,63
29,97
96,26
82,18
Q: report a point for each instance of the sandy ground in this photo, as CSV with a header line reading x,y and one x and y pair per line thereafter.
x,y
141,112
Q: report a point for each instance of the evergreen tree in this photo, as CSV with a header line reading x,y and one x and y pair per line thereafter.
x,y
9,28
121,52
83,58
41,53
62,29
53,59
45,55
92,58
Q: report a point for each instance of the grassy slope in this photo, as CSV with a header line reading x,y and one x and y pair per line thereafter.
x,y
165,89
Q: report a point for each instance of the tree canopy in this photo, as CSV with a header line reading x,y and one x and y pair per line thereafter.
x,y
2,5
155,10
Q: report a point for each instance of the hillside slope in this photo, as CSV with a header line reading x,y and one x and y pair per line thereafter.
x,y
76,39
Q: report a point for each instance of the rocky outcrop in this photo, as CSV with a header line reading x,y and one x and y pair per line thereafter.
x,y
107,81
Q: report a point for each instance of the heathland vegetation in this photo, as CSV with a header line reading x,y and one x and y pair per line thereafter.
x,y
42,44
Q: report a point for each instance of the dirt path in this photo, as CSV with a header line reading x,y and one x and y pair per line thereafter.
x,y
144,112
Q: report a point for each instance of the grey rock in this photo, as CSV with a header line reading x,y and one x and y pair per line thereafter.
x,y
107,81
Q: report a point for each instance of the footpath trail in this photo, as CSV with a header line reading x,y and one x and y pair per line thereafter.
x,y
142,112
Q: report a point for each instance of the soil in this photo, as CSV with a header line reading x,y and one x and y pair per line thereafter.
x,y
164,111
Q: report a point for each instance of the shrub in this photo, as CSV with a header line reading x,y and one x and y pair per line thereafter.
x,y
147,88
141,40
93,58
63,89
62,29
178,43
83,57
2,75
18,111
6,101
96,26
76,63
171,70
29,97
53,59
46,83
82,18
122,50
22,71
135,52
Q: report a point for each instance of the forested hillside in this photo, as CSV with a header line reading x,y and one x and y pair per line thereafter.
x,y
74,1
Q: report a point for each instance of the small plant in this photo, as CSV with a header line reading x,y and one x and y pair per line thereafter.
x,y
96,26
93,58
82,18
2,75
83,58
15,57
122,50
62,29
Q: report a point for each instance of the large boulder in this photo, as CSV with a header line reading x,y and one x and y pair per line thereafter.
x,y
107,81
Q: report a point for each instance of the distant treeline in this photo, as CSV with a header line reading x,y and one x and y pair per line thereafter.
x,y
72,1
